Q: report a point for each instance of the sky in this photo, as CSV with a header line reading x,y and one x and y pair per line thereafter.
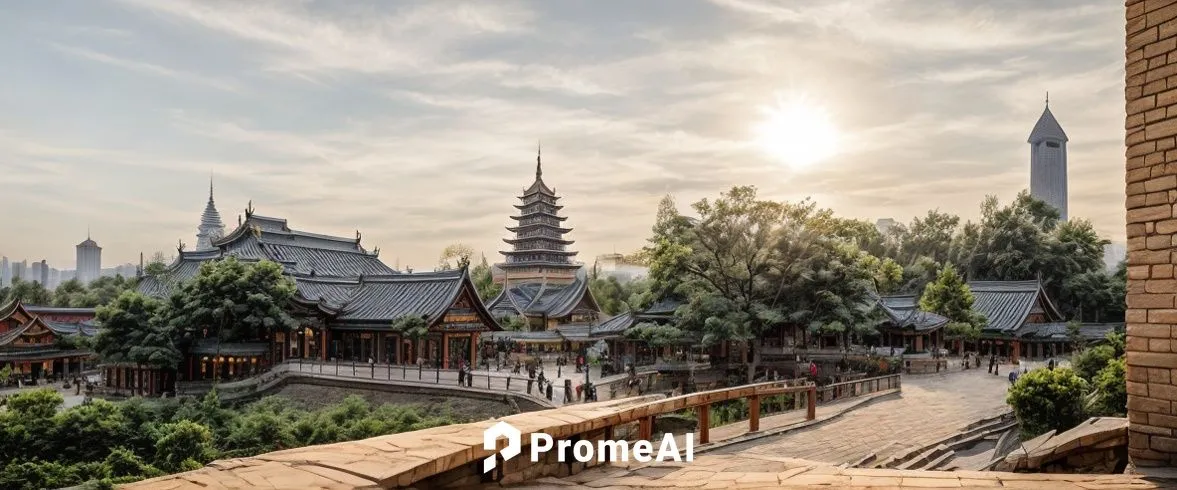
x,y
417,122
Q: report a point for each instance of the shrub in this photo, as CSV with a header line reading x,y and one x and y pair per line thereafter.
x,y
1110,392
1045,400
1088,362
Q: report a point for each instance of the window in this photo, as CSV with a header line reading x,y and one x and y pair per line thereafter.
x,y
1051,144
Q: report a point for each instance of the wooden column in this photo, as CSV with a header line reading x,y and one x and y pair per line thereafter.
x,y
754,413
645,428
704,413
811,403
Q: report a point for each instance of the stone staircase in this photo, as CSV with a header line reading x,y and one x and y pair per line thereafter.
x,y
940,454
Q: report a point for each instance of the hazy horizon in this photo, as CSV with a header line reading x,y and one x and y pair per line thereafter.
x,y
417,122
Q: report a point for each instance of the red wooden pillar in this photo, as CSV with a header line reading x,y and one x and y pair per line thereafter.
x,y
323,344
445,351
704,412
754,413
474,348
645,428
811,403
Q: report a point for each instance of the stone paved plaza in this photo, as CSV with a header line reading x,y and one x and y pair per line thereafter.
x,y
931,407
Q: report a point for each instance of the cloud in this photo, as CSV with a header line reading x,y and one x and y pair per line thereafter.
x,y
417,121
147,68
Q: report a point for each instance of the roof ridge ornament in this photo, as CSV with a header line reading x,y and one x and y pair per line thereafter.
x,y
358,237
249,209
180,246
539,172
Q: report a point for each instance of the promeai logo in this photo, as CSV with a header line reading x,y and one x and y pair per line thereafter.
x,y
584,451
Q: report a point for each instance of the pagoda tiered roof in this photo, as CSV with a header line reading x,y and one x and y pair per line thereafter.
x,y
548,299
545,249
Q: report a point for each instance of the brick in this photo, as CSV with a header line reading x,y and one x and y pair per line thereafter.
x,y
1137,439
1158,375
1164,30
1160,72
1151,213
1162,391
1135,417
1139,344
1151,146
1137,389
1136,374
1134,121
1156,162
1155,198
1163,444
1147,103
1152,359
1148,331
1161,183
1137,201
1161,129
1162,420
1149,405
1152,431
1138,256
1160,15
1155,87
1142,39
1162,286
1167,227
1159,242
1162,271
1135,229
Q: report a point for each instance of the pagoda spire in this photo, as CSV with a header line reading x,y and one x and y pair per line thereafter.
x,y
210,185
539,172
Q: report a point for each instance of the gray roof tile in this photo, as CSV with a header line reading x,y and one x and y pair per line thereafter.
x,y
1007,304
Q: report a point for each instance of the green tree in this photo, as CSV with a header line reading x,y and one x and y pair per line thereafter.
x,y
930,236
950,297
29,293
1088,362
482,275
1048,399
88,432
183,445
723,262
123,462
411,327
233,300
514,323
69,294
655,335
1109,391
124,325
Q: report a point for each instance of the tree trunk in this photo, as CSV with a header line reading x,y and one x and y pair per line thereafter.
x,y
755,361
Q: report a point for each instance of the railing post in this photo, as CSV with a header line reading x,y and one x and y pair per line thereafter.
x,y
645,429
754,413
508,382
419,369
811,403
438,374
704,415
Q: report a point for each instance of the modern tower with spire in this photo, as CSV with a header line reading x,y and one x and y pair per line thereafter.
x,y
89,260
211,228
1048,162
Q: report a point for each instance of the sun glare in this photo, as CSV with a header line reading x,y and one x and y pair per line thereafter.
x,y
798,132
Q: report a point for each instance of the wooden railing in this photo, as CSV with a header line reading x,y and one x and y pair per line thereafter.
x,y
847,389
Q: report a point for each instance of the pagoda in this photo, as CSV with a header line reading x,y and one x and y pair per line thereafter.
x,y
541,282
211,228
538,249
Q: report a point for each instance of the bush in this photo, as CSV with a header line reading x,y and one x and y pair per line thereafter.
x,y
1110,392
1045,400
1088,362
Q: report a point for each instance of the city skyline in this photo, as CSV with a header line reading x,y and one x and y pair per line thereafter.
x,y
417,125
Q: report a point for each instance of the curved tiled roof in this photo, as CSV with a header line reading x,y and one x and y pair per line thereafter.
x,y
1007,304
552,300
264,238
615,325
382,299
903,312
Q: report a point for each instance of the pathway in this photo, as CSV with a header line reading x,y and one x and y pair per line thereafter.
x,y
931,407
502,381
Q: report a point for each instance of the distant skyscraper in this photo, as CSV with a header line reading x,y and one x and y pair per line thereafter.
x,y
35,273
1048,162
89,260
18,270
5,272
44,270
211,228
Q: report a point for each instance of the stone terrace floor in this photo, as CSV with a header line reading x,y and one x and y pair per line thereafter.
x,y
756,471
931,407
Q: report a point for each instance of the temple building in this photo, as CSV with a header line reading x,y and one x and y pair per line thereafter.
x,y
541,282
907,328
346,302
31,340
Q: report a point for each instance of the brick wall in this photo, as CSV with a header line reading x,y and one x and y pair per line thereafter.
x,y
1151,127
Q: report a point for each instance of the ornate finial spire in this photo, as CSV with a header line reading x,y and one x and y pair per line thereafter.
x,y
210,185
538,150
87,232
1048,99
358,237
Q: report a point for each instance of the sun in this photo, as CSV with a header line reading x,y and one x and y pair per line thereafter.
x,y
798,132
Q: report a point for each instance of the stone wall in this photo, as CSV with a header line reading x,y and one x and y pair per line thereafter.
x,y
1151,128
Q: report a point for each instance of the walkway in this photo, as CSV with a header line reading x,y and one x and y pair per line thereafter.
x,y
931,407
483,380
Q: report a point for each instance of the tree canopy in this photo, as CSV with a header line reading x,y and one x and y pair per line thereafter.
x,y
233,300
